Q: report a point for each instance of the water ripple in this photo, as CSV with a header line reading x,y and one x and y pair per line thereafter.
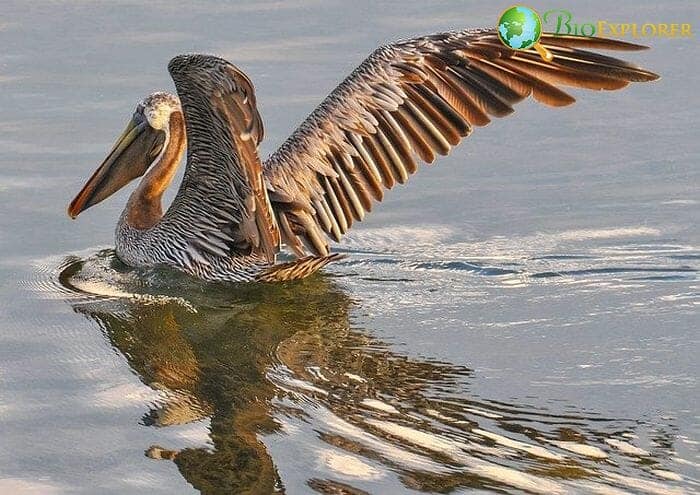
x,y
261,372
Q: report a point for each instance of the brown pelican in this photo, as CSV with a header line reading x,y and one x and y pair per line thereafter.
x,y
406,103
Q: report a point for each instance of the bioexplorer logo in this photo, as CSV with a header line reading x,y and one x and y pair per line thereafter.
x,y
562,22
520,28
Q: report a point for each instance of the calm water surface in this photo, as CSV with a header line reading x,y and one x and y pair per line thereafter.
x,y
522,317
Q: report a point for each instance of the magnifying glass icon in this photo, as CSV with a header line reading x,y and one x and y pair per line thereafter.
x,y
520,28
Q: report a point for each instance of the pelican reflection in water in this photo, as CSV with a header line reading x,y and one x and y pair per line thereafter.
x,y
266,364
406,103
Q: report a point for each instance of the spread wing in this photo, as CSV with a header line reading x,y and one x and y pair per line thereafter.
x,y
221,207
408,102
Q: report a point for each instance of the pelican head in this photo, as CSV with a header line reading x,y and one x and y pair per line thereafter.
x,y
141,145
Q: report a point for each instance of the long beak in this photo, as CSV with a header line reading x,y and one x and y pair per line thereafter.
x,y
127,160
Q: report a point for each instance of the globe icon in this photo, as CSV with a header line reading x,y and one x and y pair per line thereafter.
x,y
519,27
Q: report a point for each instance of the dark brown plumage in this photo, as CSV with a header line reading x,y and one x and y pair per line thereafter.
x,y
411,101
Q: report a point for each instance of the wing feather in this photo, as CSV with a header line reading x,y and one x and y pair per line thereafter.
x,y
222,207
413,100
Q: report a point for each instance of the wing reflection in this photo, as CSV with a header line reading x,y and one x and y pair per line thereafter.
x,y
288,362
